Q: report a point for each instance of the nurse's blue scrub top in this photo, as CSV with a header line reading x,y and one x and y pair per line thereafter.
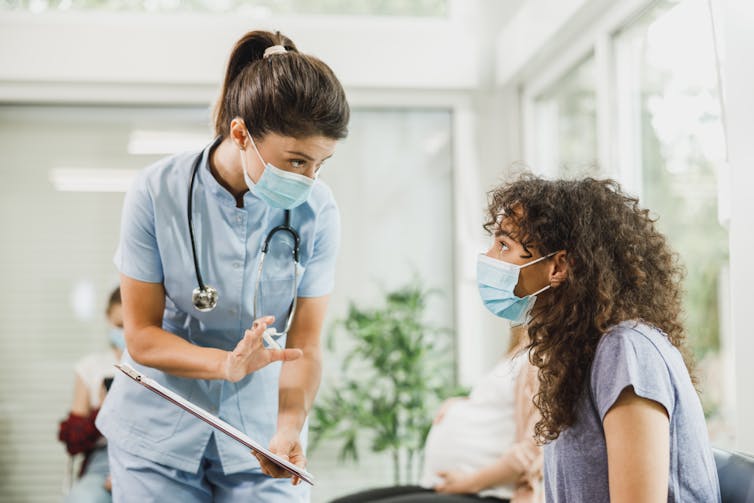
x,y
155,247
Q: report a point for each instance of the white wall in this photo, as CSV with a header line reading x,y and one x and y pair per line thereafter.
x,y
190,51
533,33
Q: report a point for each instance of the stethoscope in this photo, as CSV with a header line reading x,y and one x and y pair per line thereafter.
x,y
204,297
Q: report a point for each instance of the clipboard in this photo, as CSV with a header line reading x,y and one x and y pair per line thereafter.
x,y
215,422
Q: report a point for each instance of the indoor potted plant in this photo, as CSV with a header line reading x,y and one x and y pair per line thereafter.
x,y
396,369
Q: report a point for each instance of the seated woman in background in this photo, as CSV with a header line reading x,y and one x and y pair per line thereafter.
x,y
480,448
93,373
600,291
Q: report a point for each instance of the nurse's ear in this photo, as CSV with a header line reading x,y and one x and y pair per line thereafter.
x,y
238,133
559,269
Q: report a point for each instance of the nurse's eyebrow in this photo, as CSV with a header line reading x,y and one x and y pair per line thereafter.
x,y
307,157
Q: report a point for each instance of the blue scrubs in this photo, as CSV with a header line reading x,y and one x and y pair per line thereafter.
x,y
155,247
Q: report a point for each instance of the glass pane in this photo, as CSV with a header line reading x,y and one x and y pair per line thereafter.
x,y
65,170
423,8
566,124
392,178
680,135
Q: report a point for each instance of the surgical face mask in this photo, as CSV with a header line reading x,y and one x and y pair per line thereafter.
x,y
496,280
276,187
117,338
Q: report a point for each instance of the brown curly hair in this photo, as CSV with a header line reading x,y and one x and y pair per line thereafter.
x,y
620,268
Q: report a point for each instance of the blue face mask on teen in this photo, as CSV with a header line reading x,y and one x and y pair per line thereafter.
x,y
276,187
117,338
496,280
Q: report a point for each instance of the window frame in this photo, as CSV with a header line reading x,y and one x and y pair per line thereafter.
x,y
561,56
618,144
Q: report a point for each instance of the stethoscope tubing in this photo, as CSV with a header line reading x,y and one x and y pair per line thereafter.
x,y
189,212
285,227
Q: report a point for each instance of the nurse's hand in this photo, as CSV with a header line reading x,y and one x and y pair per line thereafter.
x,y
287,445
250,354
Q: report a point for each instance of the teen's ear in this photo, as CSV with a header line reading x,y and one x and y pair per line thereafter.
x,y
560,269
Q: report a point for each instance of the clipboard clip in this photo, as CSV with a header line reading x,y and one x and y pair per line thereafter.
x,y
129,371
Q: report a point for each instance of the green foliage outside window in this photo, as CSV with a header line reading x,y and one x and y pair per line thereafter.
x,y
686,204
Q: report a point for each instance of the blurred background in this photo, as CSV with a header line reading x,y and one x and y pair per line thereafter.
x,y
448,98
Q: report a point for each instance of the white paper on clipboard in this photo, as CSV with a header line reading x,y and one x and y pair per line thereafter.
x,y
215,422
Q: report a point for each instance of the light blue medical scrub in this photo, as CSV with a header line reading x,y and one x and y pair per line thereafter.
x,y
148,435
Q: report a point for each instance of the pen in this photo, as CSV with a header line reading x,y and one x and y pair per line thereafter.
x,y
267,336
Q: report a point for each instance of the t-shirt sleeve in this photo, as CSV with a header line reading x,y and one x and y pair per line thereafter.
x,y
138,256
625,358
319,276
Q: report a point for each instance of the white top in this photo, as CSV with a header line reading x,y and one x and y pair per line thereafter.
x,y
477,431
93,369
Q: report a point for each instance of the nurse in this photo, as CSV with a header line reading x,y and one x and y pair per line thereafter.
x,y
198,293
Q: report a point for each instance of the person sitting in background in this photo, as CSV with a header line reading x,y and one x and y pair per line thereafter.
x,y
93,373
480,447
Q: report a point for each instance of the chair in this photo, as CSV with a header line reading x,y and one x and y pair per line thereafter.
x,y
736,474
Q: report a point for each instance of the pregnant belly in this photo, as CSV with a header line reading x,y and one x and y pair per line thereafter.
x,y
465,441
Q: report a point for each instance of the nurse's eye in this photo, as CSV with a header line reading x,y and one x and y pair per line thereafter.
x,y
298,164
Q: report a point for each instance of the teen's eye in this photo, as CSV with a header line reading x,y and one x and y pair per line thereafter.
x,y
502,247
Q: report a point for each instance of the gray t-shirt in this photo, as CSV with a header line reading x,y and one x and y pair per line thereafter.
x,y
639,355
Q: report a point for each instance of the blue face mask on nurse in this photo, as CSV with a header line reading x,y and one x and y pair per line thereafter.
x,y
287,187
278,188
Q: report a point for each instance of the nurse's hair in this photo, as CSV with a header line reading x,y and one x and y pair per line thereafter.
x,y
284,91
620,267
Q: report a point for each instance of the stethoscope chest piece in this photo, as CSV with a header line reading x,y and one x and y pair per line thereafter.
x,y
204,298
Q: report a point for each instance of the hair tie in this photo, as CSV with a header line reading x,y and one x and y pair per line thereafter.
x,y
274,49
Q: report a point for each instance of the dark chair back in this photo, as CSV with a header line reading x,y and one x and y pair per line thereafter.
x,y
736,474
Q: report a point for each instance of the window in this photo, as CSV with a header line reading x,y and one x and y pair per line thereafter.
x,y
392,179
650,84
565,117
671,122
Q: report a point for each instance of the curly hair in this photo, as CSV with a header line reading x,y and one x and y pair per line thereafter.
x,y
620,268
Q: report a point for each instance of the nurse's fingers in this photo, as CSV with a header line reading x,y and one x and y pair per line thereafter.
x,y
285,355
250,354
297,459
259,322
252,337
271,469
